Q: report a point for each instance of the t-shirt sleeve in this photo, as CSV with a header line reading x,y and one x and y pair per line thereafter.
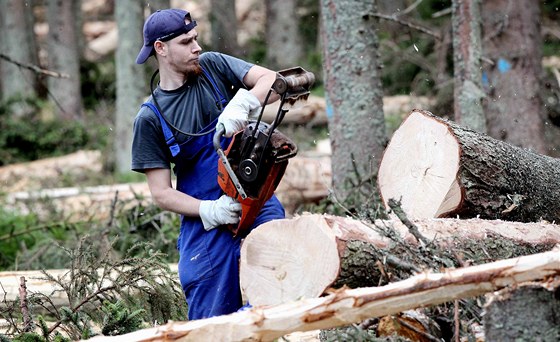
x,y
149,150
232,68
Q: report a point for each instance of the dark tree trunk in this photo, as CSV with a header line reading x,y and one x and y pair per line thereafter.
x,y
284,47
18,83
224,27
354,94
512,42
437,168
64,57
526,313
130,18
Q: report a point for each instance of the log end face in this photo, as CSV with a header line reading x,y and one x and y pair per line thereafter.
x,y
285,260
420,166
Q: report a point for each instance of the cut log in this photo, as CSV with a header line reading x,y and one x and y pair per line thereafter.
x,y
79,204
313,112
303,257
436,168
306,180
345,307
525,313
34,175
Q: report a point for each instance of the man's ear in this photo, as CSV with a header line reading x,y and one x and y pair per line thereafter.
x,y
160,48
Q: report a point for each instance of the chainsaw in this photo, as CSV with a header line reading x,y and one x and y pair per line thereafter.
x,y
254,163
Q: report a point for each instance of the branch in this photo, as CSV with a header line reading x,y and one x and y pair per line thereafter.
x,y
408,24
346,306
34,68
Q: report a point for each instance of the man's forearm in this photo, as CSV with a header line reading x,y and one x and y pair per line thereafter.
x,y
173,200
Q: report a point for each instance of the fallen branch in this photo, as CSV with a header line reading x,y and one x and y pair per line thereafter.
x,y
345,306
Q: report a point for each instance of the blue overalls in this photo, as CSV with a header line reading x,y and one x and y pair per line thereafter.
x,y
208,260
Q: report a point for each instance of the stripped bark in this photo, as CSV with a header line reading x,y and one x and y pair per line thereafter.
x,y
345,306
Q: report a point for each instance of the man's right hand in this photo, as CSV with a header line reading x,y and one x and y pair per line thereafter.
x,y
224,210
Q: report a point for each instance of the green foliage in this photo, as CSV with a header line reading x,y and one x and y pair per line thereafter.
x,y
15,232
119,319
98,81
106,290
30,137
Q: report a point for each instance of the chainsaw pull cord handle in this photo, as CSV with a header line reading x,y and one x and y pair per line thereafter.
x,y
220,130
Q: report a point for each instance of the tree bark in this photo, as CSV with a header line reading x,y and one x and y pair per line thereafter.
x,y
355,113
280,260
512,42
506,313
283,48
18,83
223,20
345,306
64,57
437,168
467,49
130,87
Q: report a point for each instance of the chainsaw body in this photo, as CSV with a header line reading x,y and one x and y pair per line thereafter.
x,y
254,163
259,167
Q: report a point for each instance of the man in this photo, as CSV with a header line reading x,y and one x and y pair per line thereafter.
x,y
176,126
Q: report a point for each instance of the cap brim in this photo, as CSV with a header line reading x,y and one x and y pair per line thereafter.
x,y
145,52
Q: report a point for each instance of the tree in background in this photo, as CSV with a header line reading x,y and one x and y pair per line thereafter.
x,y
16,19
129,15
512,42
223,21
467,50
283,40
64,57
354,95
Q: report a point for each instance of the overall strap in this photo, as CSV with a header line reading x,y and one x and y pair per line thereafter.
x,y
218,96
167,134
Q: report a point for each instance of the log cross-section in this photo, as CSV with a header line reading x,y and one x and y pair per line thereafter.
x,y
437,168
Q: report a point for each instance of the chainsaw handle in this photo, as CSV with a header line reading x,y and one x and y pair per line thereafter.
x,y
220,130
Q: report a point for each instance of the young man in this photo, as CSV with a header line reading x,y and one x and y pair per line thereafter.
x,y
176,126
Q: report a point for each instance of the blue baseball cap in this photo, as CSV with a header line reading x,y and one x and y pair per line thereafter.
x,y
163,25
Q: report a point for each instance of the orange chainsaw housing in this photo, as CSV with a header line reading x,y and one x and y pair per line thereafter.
x,y
262,189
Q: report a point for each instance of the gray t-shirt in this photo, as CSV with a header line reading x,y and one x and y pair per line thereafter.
x,y
191,108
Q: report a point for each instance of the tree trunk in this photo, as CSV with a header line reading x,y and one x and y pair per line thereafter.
x,y
467,46
285,260
439,169
283,48
344,307
512,41
223,20
353,94
506,314
18,83
130,88
64,57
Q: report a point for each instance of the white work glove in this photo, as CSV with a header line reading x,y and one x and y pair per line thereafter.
x,y
235,115
224,210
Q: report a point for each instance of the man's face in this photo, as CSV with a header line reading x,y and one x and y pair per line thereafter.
x,y
184,52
